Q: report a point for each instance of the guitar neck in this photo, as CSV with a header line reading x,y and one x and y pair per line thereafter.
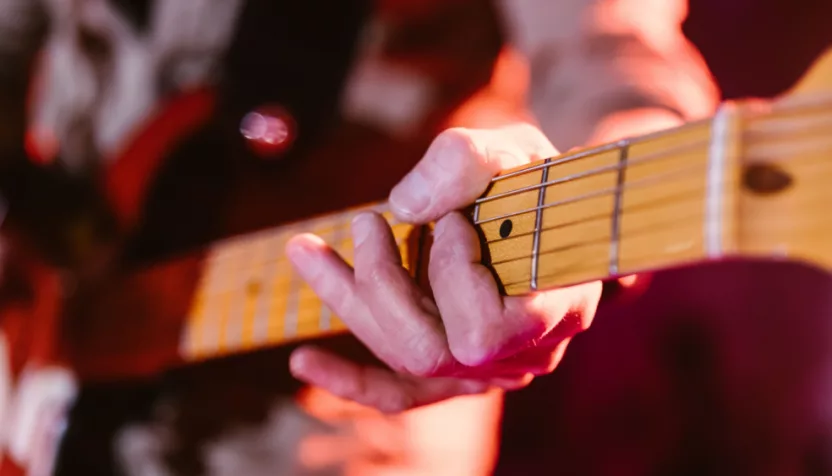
x,y
249,296
752,181
634,205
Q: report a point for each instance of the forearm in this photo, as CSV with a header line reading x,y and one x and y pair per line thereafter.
x,y
601,70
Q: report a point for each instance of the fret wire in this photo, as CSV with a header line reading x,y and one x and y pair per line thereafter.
x,y
598,193
603,239
592,151
212,326
381,207
546,165
292,309
559,160
541,199
264,300
232,332
237,241
615,232
605,216
599,170
617,190
282,229
818,145
811,165
338,243
826,229
599,264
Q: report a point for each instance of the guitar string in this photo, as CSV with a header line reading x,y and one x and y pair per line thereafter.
x,y
696,194
620,164
634,159
693,194
602,264
807,102
610,191
305,318
672,153
630,186
817,201
547,276
825,142
310,312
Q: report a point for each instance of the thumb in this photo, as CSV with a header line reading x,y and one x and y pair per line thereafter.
x,y
458,167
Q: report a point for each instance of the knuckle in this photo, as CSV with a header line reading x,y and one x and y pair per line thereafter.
x,y
420,366
458,151
456,137
373,277
426,356
502,339
344,303
440,261
475,348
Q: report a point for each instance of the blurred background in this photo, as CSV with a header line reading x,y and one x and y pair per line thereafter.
x,y
257,113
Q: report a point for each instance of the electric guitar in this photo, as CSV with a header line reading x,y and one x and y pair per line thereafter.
x,y
749,182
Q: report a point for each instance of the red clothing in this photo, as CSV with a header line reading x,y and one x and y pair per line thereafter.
x,y
722,368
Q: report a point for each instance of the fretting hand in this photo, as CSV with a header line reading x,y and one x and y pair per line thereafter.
x,y
467,339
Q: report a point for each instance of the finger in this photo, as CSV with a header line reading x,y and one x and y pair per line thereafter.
x,y
573,308
407,317
478,328
514,383
458,167
537,361
481,326
333,282
375,387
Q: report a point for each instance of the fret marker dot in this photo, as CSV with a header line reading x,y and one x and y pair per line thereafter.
x,y
253,288
505,228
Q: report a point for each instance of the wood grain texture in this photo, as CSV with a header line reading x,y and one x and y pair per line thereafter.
x,y
792,137
663,200
249,295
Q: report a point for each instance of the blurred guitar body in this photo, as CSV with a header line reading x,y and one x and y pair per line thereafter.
x,y
118,336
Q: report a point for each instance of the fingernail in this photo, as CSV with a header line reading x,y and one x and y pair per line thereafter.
x,y
412,195
439,228
303,259
361,228
297,364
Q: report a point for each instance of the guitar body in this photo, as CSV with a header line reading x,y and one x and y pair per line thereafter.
x,y
129,326
188,178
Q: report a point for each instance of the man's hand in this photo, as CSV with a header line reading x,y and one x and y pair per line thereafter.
x,y
470,337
